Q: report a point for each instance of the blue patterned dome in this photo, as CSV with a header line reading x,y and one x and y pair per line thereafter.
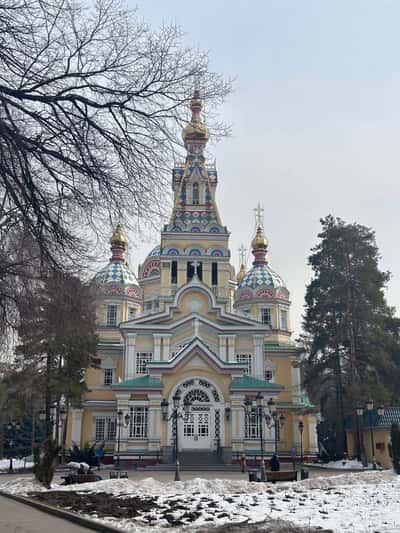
x,y
115,272
261,275
156,251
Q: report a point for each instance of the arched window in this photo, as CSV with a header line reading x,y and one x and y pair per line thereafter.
x,y
195,194
197,395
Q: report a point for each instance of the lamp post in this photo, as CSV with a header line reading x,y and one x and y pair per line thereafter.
x,y
13,427
279,421
122,421
262,414
301,429
63,418
175,415
360,412
369,404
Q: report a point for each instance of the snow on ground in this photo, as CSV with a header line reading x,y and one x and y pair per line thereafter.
x,y
366,502
17,464
348,464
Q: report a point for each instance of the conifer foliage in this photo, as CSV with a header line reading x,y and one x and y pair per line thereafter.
x,y
58,341
350,333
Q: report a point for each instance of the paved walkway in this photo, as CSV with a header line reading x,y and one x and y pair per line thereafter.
x,y
18,518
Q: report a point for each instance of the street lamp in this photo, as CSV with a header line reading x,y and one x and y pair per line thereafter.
x,y
301,429
122,421
360,412
175,415
13,427
261,414
63,418
279,421
380,411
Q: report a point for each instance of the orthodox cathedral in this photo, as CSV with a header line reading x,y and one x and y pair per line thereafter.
x,y
187,331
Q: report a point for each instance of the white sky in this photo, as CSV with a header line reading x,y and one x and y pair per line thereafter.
x,y
315,116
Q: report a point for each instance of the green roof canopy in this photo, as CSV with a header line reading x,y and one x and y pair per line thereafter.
x,y
144,382
248,382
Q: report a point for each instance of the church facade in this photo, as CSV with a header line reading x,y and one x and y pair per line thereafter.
x,y
186,324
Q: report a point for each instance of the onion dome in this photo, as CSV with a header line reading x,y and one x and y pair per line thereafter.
x,y
117,277
260,274
195,134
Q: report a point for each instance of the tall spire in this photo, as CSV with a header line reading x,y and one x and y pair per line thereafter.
x,y
195,134
118,244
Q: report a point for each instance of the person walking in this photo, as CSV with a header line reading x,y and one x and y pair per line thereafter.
x,y
274,463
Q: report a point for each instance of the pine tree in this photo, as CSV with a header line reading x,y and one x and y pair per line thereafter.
x,y
58,341
350,332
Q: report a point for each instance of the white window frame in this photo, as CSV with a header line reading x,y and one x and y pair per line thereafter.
x,y
105,428
268,371
142,358
138,422
284,310
252,428
246,359
269,309
132,312
109,321
108,376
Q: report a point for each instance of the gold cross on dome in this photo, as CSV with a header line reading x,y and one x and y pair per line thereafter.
x,y
242,254
259,214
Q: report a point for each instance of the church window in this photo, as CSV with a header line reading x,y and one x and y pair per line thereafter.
x,y
266,316
149,306
252,425
131,313
284,320
197,395
195,194
112,315
174,272
138,423
108,376
105,428
268,375
214,274
190,270
245,359
142,358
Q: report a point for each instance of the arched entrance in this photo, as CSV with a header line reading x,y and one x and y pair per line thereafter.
x,y
202,428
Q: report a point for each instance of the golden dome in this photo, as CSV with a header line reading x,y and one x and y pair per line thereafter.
x,y
259,241
195,128
241,274
118,237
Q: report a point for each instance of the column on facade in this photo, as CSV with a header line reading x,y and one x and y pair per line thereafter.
x,y
237,422
166,338
157,347
259,356
312,434
231,348
122,405
76,426
296,432
222,347
130,345
207,273
296,383
154,422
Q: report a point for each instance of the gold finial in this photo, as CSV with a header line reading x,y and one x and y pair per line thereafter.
x,y
118,237
259,241
195,128
241,274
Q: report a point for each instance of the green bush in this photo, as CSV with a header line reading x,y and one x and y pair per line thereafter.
x,y
45,461
87,454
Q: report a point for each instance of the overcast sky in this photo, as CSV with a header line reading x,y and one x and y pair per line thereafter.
x,y
315,116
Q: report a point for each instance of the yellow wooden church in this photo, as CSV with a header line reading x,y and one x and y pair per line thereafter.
x,y
187,327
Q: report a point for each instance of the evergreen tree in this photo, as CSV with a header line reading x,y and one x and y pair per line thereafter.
x,y
58,341
351,334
